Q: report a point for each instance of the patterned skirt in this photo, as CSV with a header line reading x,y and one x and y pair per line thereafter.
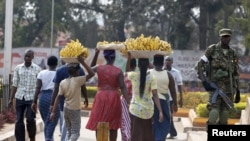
x,y
125,127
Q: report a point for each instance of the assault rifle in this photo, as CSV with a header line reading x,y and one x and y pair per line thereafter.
x,y
218,92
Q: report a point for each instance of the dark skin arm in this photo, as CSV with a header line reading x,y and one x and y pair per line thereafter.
x,y
88,76
158,104
54,95
13,92
94,61
91,73
173,91
128,63
37,92
180,102
123,87
84,94
54,107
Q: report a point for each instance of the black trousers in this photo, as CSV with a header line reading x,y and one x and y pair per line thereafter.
x,y
23,108
173,131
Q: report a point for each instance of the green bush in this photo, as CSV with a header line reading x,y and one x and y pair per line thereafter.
x,y
193,99
201,110
91,90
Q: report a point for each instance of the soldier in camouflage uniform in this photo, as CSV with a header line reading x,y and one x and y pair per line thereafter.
x,y
219,65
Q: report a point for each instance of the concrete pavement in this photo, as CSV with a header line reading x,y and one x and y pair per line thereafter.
x,y
87,135
183,126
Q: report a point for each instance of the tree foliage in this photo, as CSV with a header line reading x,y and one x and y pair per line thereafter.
x,y
173,20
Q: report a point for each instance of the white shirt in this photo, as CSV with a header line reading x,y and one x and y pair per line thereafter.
x,y
177,78
47,76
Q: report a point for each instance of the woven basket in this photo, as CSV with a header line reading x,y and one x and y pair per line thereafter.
x,y
142,54
164,53
70,59
111,46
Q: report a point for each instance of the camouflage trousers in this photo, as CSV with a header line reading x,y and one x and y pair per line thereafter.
x,y
218,111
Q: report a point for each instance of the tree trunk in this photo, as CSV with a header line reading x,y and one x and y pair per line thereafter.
x,y
203,26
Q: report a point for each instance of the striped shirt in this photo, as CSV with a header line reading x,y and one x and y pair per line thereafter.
x,y
24,78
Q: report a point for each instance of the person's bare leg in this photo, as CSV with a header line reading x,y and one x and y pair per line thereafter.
x,y
112,135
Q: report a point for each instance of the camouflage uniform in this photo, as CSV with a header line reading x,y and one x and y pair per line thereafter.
x,y
217,70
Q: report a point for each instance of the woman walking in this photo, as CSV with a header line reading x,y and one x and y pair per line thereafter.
x,y
144,88
45,85
107,102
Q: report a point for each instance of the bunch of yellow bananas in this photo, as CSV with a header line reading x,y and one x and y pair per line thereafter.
x,y
165,46
109,45
74,49
149,43
102,43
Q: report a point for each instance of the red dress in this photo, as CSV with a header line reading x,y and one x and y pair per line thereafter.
x,y
107,103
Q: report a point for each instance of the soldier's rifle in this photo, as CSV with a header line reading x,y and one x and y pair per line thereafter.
x,y
219,92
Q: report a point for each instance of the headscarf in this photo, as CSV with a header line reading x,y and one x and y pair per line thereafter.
x,y
109,54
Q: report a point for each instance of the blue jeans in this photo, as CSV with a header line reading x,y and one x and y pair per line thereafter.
x,y
44,104
161,129
21,106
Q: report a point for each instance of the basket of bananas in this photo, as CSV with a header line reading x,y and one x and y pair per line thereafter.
x,y
73,49
105,45
146,47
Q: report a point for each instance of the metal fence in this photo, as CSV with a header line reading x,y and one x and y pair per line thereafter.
x,y
5,90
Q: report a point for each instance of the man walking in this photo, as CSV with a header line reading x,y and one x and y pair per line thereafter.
x,y
178,86
23,89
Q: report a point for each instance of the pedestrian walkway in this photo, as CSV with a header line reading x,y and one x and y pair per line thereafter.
x,y
183,126
87,135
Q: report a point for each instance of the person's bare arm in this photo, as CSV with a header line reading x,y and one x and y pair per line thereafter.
x,y
54,107
128,62
85,95
180,89
123,87
37,92
172,90
88,76
91,73
54,95
13,92
158,104
94,61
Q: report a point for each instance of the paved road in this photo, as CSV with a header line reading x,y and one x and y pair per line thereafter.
x,y
87,135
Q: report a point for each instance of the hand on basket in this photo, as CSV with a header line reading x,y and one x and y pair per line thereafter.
x,y
80,58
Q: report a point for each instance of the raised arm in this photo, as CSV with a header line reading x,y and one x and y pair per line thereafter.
x,y
128,62
91,73
94,61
